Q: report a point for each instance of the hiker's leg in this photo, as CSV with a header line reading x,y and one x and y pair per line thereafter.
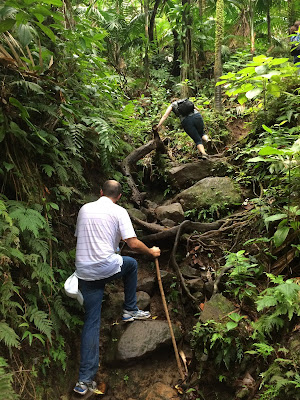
x,y
193,126
92,292
201,149
129,275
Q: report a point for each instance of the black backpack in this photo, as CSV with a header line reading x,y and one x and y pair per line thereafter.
x,y
185,107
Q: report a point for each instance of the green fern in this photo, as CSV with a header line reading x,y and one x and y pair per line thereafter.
x,y
43,273
26,85
41,321
8,335
28,219
61,311
6,390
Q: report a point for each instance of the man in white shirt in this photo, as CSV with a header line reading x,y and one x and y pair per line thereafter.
x,y
101,225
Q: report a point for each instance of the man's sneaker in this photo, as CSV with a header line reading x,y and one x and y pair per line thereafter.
x,y
83,387
129,316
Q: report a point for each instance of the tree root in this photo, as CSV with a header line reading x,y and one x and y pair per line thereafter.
x,y
134,157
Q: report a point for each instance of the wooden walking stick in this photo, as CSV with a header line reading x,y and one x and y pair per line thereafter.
x,y
168,319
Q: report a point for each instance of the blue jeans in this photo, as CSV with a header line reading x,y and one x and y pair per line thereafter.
x,y
194,127
92,292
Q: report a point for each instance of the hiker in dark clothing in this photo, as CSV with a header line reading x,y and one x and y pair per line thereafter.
x,y
191,121
295,40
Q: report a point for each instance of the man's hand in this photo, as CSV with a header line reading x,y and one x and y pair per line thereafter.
x,y
135,244
155,251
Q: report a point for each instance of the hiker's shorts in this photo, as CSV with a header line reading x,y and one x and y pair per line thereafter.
x,y
194,127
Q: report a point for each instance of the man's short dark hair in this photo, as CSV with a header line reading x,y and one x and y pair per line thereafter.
x,y
111,189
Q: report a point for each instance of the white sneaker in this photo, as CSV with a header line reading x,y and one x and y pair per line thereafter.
x,y
129,316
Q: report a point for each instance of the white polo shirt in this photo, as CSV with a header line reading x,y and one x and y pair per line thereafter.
x,y
100,227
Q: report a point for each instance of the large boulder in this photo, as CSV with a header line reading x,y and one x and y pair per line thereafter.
x,y
216,191
172,211
185,175
140,339
216,308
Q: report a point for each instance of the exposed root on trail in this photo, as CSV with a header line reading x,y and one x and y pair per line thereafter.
x,y
133,158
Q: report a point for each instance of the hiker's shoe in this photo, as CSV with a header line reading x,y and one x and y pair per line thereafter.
x,y
129,316
203,157
83,387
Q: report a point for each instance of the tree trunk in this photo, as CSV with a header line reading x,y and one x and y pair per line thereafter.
x,y
269,21
186,67
146,56
251,23
152,20
218,45
291,12
176,54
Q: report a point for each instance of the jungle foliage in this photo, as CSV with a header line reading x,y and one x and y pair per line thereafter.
x,y
75,100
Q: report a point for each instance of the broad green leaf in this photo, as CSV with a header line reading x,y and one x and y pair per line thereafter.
x,y
46,30
242,99
7,24
24,34
267,129
57,3
261,69
235,317
247,70
231,325
8,166
253,93
257,159
278,61
275,217
16,103
280,235
274,89
270,74
268,151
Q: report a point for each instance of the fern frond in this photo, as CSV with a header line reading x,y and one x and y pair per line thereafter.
x,y
48,169
41,321
6,390
61,172
40,246
61,311
26,85
8,336
28,219
43,272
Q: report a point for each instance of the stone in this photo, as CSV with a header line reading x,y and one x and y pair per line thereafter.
x,y
168,223
140,339
147,285
113,307
134,212
160,391
217,191
173,212
195,285
185,175
216,308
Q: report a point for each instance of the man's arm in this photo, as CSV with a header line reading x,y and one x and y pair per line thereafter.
x,y
135,244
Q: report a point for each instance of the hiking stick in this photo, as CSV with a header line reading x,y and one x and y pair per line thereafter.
x,y
168,319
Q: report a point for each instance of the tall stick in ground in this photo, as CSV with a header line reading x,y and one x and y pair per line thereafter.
x,y
168,319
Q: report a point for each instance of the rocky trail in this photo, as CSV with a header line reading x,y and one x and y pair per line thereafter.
x,y
137,360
